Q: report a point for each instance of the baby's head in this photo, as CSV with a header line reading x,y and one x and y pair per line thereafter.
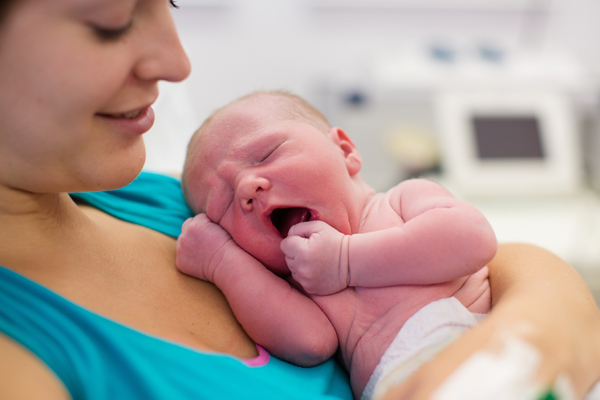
x,y
277,104
266,162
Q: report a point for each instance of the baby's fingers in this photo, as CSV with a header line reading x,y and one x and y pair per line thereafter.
x,y
200,221
306,229
186,225
292,245
189,233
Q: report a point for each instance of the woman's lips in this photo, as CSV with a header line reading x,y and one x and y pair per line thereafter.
x,y
284,218
134,122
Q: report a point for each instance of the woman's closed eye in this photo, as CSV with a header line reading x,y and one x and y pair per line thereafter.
x,y
110,34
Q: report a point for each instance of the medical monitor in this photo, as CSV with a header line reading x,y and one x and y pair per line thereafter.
x,y
505,143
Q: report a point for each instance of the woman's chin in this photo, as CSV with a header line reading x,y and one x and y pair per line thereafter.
x,y
111,174
121,177
125,169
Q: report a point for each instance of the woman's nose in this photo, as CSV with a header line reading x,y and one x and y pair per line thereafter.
x,y
163,57
249,188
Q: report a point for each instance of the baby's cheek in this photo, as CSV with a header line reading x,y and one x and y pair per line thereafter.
x,y
277,264
266,251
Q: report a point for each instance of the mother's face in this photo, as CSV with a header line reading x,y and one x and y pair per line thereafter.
x,y
77,79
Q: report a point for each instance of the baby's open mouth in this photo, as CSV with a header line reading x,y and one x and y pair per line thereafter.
x,y
284,218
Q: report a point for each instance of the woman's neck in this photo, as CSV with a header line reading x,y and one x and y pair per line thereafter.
x,y
32,223
18,207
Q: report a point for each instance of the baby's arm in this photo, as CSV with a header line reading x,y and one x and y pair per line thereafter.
x,y
273,313
442,238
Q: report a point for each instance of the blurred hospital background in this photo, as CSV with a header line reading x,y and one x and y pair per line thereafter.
x,y
499,100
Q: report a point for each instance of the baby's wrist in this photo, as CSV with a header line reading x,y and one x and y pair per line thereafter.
x,y
233,260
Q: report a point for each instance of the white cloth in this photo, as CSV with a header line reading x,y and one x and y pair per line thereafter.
x,y
422,336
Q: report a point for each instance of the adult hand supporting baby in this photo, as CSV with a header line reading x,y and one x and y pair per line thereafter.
x,y
201,246
317,256
534,295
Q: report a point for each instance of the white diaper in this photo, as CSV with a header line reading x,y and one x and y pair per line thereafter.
x,y
422,336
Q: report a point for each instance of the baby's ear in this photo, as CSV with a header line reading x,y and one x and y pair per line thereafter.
x,y
351,155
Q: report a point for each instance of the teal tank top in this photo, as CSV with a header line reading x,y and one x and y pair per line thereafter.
x,y
100,359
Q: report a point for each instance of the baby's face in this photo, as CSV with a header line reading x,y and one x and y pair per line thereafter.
x,y
257,175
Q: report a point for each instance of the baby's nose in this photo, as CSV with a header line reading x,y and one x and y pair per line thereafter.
x,y
249,188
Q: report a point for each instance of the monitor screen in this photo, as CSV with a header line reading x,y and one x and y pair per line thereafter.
x,y
507,137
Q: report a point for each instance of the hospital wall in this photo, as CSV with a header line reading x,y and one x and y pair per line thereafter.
x,y
239,46
373,65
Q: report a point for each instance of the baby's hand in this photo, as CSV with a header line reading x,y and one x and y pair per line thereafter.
x,y
201,246
317,256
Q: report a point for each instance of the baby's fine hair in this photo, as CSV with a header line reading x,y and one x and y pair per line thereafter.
x,y
296,108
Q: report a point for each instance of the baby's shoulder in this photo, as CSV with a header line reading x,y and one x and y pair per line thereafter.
x,y
417,186
415,192
380,213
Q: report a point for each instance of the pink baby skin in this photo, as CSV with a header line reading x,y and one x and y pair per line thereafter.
x,y
310,258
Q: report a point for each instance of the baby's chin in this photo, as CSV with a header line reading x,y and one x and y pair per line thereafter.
x,y
267,252
277,265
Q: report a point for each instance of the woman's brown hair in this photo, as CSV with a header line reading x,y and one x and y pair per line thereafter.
x,y
5,6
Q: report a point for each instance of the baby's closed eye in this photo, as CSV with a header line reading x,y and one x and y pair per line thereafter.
x,y
268,155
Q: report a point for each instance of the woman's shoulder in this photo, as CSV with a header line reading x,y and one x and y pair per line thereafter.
x,y
19,367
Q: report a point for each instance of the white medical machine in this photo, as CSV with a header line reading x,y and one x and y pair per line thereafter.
x,y
509,143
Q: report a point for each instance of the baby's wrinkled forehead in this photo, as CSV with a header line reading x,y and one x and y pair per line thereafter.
x,y
228,137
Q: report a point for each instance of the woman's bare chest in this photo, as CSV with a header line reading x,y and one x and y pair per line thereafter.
x,y
133,280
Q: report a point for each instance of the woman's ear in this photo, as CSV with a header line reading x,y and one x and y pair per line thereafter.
x,y
351,155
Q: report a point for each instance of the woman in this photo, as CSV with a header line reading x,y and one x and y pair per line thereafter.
x,y
92,304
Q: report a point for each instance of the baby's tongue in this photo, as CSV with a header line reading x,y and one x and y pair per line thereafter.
x,y
285,218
